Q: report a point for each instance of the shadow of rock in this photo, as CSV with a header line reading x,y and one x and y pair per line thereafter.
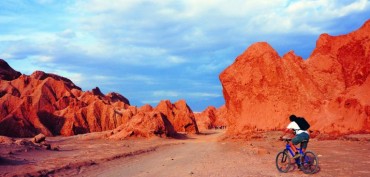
x,y
52,122
207,133
5,161
181,136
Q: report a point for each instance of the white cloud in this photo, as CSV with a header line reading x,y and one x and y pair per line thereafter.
x,y
325,9
175,59
141,32
212,67
114,80
150,101
76,78
136,77
68,33
176,94
165,33
98,6
10,37
43,58
165,94
300,16
101,77
6,55
44,1
204,94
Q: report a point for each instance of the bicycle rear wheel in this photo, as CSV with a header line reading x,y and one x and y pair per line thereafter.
x,y
283,161
310,163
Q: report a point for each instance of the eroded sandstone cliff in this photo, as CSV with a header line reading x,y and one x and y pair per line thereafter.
x,y
54,105
330,89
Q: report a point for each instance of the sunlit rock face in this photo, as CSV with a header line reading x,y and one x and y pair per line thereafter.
x,y
53,105
211,118
330,89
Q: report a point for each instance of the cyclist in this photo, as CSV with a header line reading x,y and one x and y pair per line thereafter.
x,y
301,136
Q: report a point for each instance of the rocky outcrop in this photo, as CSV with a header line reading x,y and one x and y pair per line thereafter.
x,y
7,72
211,118
145,124
179,114
221,120
116,97
330,89
53,105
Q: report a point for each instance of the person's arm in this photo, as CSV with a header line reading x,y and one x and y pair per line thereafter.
x,y
287,132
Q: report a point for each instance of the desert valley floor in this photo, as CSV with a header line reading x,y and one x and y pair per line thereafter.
x,y
189,155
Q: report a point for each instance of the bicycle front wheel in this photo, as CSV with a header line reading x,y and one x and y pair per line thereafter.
x,y
310,163
283,161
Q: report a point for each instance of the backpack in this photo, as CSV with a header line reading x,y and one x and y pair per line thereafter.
x,y
302,123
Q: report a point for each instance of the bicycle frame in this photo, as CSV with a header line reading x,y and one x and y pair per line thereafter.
x,y
307,162
299,150
289,148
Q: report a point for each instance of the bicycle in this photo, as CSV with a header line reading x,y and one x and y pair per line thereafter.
x,y
308,161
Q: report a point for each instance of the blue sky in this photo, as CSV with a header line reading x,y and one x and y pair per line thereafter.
x,y
150,50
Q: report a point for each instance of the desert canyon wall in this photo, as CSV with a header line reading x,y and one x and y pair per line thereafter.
x,y
331,89
54,105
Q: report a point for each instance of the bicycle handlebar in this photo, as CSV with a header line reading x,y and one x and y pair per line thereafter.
x,y
286,139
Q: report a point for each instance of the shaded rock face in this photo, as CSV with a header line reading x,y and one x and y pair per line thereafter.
x,y
116,97
330,89
53,105
211,118
179,114
7,72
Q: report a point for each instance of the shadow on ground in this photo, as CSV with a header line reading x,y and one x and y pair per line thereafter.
x,y
5,161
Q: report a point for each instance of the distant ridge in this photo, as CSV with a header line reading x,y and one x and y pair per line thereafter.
x,y
53,105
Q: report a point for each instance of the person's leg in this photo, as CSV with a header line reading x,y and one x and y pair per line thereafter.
x,y
304,144
292,146
296,140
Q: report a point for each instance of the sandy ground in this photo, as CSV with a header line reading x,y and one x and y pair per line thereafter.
x,y
193,155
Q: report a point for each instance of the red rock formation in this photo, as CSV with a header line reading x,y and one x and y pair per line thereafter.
x,y
205,119
54,105
7,72
27,102
211,118
116,97
330,88
221,116
144,124
179,114
146,108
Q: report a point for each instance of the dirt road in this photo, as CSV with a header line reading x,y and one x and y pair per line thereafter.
x,y
194,155
204,155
